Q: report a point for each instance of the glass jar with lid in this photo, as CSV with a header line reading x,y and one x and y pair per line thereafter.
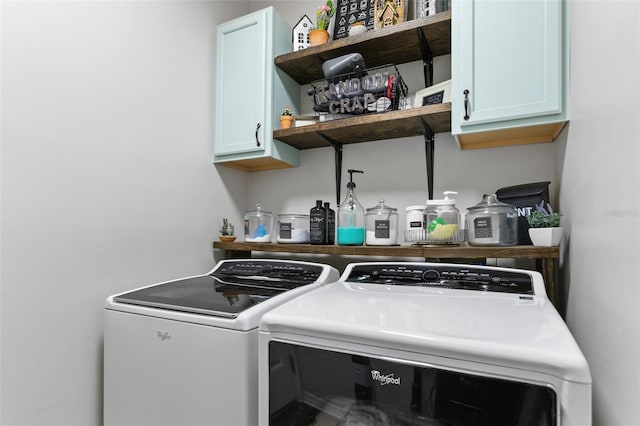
x,y
258,225
381,225
492,223
442,220
292,228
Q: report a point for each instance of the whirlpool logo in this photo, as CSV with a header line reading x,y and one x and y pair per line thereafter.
x,y
384,380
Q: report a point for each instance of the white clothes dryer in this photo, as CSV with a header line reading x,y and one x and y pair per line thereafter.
x,y
185,352
422,344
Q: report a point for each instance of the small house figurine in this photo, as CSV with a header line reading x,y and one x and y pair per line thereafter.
x,y
300,33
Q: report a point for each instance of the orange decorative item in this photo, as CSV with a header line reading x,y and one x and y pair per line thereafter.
x,y
286,121
286,117
317,37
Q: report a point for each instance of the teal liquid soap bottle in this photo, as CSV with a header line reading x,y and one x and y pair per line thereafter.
x,y
351,226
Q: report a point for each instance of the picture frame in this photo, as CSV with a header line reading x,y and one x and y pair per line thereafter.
x,y
436,94
350,11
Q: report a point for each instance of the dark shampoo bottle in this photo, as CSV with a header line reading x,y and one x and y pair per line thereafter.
x,y
318,224
331,224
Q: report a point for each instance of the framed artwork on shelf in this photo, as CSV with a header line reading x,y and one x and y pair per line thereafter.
x,y
436,94
348,12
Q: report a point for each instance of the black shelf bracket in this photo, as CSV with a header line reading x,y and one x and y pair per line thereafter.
x,y
429,142
337,146
427,59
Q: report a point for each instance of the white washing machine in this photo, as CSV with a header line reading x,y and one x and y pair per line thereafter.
x,y
185,352
422,344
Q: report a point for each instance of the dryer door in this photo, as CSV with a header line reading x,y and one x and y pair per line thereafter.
x,y
316,386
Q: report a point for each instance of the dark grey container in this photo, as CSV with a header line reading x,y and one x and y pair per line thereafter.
x,y
524,198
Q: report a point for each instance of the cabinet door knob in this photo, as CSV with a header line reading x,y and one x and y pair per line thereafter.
x,y
466,104
257,140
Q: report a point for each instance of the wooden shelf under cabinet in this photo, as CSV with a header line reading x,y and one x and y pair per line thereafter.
x,y
546,255
397,44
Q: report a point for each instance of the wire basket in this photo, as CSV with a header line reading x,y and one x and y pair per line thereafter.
x,y
443,236
369,91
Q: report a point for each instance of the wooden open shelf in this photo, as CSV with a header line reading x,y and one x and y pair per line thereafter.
x,y
463,251
397,44
369,127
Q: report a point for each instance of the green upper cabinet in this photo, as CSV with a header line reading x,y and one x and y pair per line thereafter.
x,y
510,63
250,93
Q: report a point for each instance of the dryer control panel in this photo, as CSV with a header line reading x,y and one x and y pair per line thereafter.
x,y
462,277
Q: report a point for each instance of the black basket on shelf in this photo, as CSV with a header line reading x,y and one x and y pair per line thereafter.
x,y
362,91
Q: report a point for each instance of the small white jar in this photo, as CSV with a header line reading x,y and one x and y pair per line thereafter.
x,y
414,226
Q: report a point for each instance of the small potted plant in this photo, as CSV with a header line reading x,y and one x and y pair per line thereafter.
x,y
320,34
227,231
286,118
544,226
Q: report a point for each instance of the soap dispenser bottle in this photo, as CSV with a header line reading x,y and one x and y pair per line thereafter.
x,y
351,224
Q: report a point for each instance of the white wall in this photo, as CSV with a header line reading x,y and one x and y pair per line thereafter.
x,y
600,197
107,182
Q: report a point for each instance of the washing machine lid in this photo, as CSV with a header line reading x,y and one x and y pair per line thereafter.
x,y
233,287
463,320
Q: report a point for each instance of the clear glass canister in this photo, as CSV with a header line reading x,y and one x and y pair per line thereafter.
x,y
258,226
293,228
492,223
382,225
442,220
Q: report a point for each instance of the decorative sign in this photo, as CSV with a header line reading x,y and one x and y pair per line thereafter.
x,y
425,8
435,98
389,12
350,11
436,94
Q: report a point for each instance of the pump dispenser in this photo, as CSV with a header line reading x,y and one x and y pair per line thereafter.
x,y
442,220
351,225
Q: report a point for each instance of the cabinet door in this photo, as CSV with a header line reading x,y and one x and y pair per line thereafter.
x,y
507,61
241,85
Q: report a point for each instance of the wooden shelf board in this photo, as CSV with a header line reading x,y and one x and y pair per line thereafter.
x,y
540,133
370,127
463,251
397,44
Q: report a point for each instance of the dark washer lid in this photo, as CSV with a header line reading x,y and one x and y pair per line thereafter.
x,y
201,295
232,288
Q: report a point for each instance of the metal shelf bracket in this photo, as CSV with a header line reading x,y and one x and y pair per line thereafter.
x,y
429,142
427,59
337,146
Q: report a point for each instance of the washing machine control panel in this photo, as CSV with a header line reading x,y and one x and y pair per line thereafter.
x,y
443,276
284,274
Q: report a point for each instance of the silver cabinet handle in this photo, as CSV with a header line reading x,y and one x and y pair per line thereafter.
x,y
258,128
466,104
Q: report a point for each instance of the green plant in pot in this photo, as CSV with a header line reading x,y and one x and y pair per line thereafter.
x,y
226,231
286,117
544,226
